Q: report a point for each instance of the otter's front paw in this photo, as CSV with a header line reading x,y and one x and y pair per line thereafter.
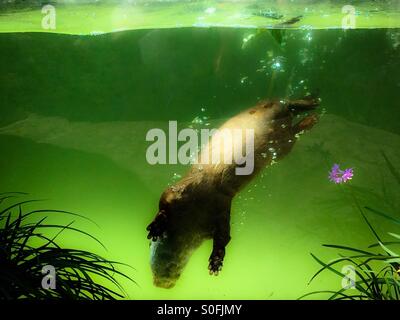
x,y
215,262
158,226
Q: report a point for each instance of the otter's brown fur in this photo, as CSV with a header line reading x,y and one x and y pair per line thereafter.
x,y
198,206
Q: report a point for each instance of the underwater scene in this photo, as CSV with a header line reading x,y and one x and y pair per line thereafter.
x,y
100,99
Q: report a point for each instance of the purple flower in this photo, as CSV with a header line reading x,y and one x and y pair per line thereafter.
x,y
347,174
339,176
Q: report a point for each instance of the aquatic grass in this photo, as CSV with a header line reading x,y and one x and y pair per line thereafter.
x,y
25,249
377,273
377,267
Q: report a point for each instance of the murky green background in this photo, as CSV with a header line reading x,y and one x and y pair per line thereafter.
x,y
75,111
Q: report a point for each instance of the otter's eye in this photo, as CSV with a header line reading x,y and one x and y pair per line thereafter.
x,y
163,205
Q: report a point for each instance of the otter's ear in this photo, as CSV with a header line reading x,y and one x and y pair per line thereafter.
x,y
157,228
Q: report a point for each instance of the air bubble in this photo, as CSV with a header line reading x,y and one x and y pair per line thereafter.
x,y
176,177
197,120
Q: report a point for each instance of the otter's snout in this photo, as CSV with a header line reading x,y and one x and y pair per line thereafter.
x,y
165,283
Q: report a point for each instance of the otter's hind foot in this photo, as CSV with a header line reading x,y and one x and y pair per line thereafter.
x,y
305,124
158,226
303,105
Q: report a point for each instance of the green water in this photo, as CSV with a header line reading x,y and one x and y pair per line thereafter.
x,y
75,111
101,16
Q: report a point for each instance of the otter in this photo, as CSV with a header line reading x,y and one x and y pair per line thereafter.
x,y
198,207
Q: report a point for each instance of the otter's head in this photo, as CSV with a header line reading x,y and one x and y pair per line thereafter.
x,y
169,256
180,234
